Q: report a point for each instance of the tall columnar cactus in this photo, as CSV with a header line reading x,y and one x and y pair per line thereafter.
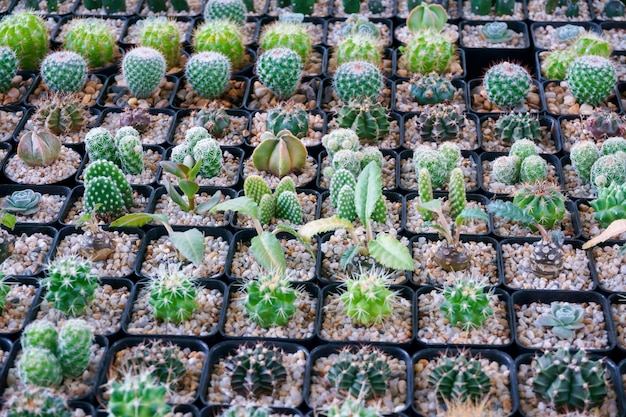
x,y
270,300
8,67
38,366
556,64
26,34
610,204
291,116
209,151
367,298
107,191
256,371
466,304
457,198
137,395
569,381
220,36
255,187
61,114
38,148
432,89
233,10
367,119
357,80
280,70
130,153
359,47
70,285
172,295
37,402
75,341
41,334
162,35
543,201
279,154
143,69
93,40
440,122
608,169
100,145
362,374
427,52
516,126
584,154
460,378
64,72
591,79
290,35
208,73
507,84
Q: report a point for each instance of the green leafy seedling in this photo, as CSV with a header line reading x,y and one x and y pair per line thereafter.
x,y
186,182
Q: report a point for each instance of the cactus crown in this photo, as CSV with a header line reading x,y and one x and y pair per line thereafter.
x,y
220,36
291,116
61,114
26,34
233,10
70,284
137,394
270,300
460,378
363,374
359,47
287,34
368,119
162,35
143,69
564,318
428,52
367,298
256,371
172,294
466,303
432,89
543,200
591,79
610,204
358,80
208,73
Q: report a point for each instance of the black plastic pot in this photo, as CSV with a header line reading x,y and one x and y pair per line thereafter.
x,y
64,182
614,263
62,192
241,84
30,311
537,43
612,102
5,346
184,113
112,92
43,91
217,410
43,258
477,83
12,136
457,83
33,79
413,143
547,123
153,112
309,87
614,300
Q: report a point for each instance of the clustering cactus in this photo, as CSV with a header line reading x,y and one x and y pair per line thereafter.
x,y
8,67
586,385
99,144
270,300
610,204
137,395
496,32
279,154
233,10
162,35
38,366
280,70
41,334
359,47
172,295
208,73
64,72
38,148
584,154
439,163
107,191
466,304
368,119
523,164
283,204
291,116
143,69
75,340
357,80
363,374
22,201
92,39
367,298
556,64
533,168
432,89
130,151
70,285
61,114
460,378
200,146
287,34
256,371
523,149
37,402
507,84
340,139
564,318
440,122
220,36
591,79
516,126
428,52
26,34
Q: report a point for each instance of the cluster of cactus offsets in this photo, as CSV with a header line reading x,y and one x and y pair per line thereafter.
x,y
208,73
26,34
605,123
610,204
591,79
362,374
107,191
440,122
137,395
214,119
41,367
556,63
99,144
351,407
608,169
522,164
359,47
280,70
256,371
220,36
162,35
368,119
172,295
130,152
245,411
340,139
64,72
428,52
516,126
357,80
583,155
460,378
270,300
524,148
8,67
143,69
283,204
432,89
507,84
543,200
161,359
70,285
279,154
283,34
570,381
466,304
367,298
291,116
61,114
233,10
590,43
37,402
38,148
438,163
92,39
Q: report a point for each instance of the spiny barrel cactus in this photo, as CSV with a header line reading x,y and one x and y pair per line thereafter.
x,y
543,201
137,395
363,374
279,154
143,69
610,204
292,117
427,52
41,334
38,366
38,148
515,126
214,119
162,359
349,160
591,79
466,304
172,295
256,371
460,378
608,169
584,154
64,72
162,35
92,39
440,122
75,341
357,80
367,119
37,402
359,47
556,64
432,89
255,187
280,70
292,35
233,10
367,298
208,73
270,300
26,34
507,84
220,36
61,114
70,284
8,67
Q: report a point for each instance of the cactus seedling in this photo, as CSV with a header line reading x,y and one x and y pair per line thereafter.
x,y
41,334
256,371
460,378
75,340
466,304
143,69
340,139
37,402
364,373
507,84
605,123
161,359
428,52
440,122
214,119
137,395
138,119
270,300
368,119
61,114
359,47
516,126
564,319
291,116
439,163
172,294
367,298
353,407
208,73
608,169
38,366
92,39
556,64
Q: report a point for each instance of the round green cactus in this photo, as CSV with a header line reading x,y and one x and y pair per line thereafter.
x,y
357,80
523,148
75,341
428,52
256,371
26,34
93,40
348,160
70,284
270,300
280,71
506,169
507,84
292,117
362,374
290,35
359,47
162,35
460,377
342,178
37,402
367,298
39,367
466,304
534,168
590,43
162,359
195,134
591,79
137,395
516,126
8,67
233,10
214,119
208,73
543,201
584,154
556,64
40,334
613,145
610,204
608,169
220,36
172,295
209,151
432,89
440,122
64,72
61,114
143,69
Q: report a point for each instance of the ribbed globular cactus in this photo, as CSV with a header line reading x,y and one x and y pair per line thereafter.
x,y
162,35
209,151
282,204
70,285
214,119
256,371
556,63
357,80
280,70
591,79
569,381
162,359
61,114
64,72
41,334
92,39
466,303
38,148
432,89
137,395
130,153
543,201
220,36
8,67
340,139
368,119
440,122
208,73
362,374
533,168
75,340
26,34
460,378
583,155
99,144
37,402
507,84
279,154
285,34
143,69
38,366
107,191
608,169
610,204
270,300
427,52
359,47
367,298
172,295
232,10
605,123
516,126
291,116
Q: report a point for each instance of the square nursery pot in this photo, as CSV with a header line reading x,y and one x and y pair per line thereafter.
x,y
52,200
543,34
590,227
158,132
126,243
217,410
617,305
527,341
31,250
456,69
195,353
550,142
290,392
241,327
116,94
236,134
470,165
427,272
61,172
536,12
335,25
574,276
84,385
337,10
74,207
20,308
556,90
88,96
576,189
233,98
240,258
608,267
613,404
499,335
207,318
131,7
21,88
533,103
14,118
403,102
214,261
74,138
499,367
306,93
399,327
467,139
389,171
399,392
120,292
115,24
614,31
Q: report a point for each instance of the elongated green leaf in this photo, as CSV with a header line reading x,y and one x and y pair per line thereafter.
x,y
432,205
173,168
268,252
510,211
139,219
175,196
8,220
190,244
469,213
210,203
324,225
243,205
369,189
390,252
348,255
193,172
189,188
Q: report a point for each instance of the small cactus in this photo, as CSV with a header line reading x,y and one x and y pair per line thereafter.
x,y
137,119
368,120
70,285
161,359
269,300
292,117
507,84
556,64
209,151
256,371
367,298
162,35
99,144
428,52
516,126
466,304
359,47
38,148
523,148
613,145
290,35
279,154
255,187
232,10
8,67
214,119
363,374
351,407
533,168
460,378
340,139
37,402
357,80
41,334
605,124
432,89
92,39
456,197
172,295
608,169
280,70
64,72
425,190
584,154
506,169
435,162
75,341
143,69
130,153
137,395
220,36
26,34
208,73
543,201
591,79
590,43
61,114
107,191
440,122
40,367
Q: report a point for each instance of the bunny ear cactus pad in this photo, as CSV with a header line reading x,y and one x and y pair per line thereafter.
x,y
507,84
208,73
64,72
143,69
591,79
280,70
108,169
8,67
279,154
26,34
92,39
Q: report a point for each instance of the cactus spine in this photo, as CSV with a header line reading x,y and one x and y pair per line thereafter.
x,y
70,285
64,72
143,69
172,295
26,34
270,300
